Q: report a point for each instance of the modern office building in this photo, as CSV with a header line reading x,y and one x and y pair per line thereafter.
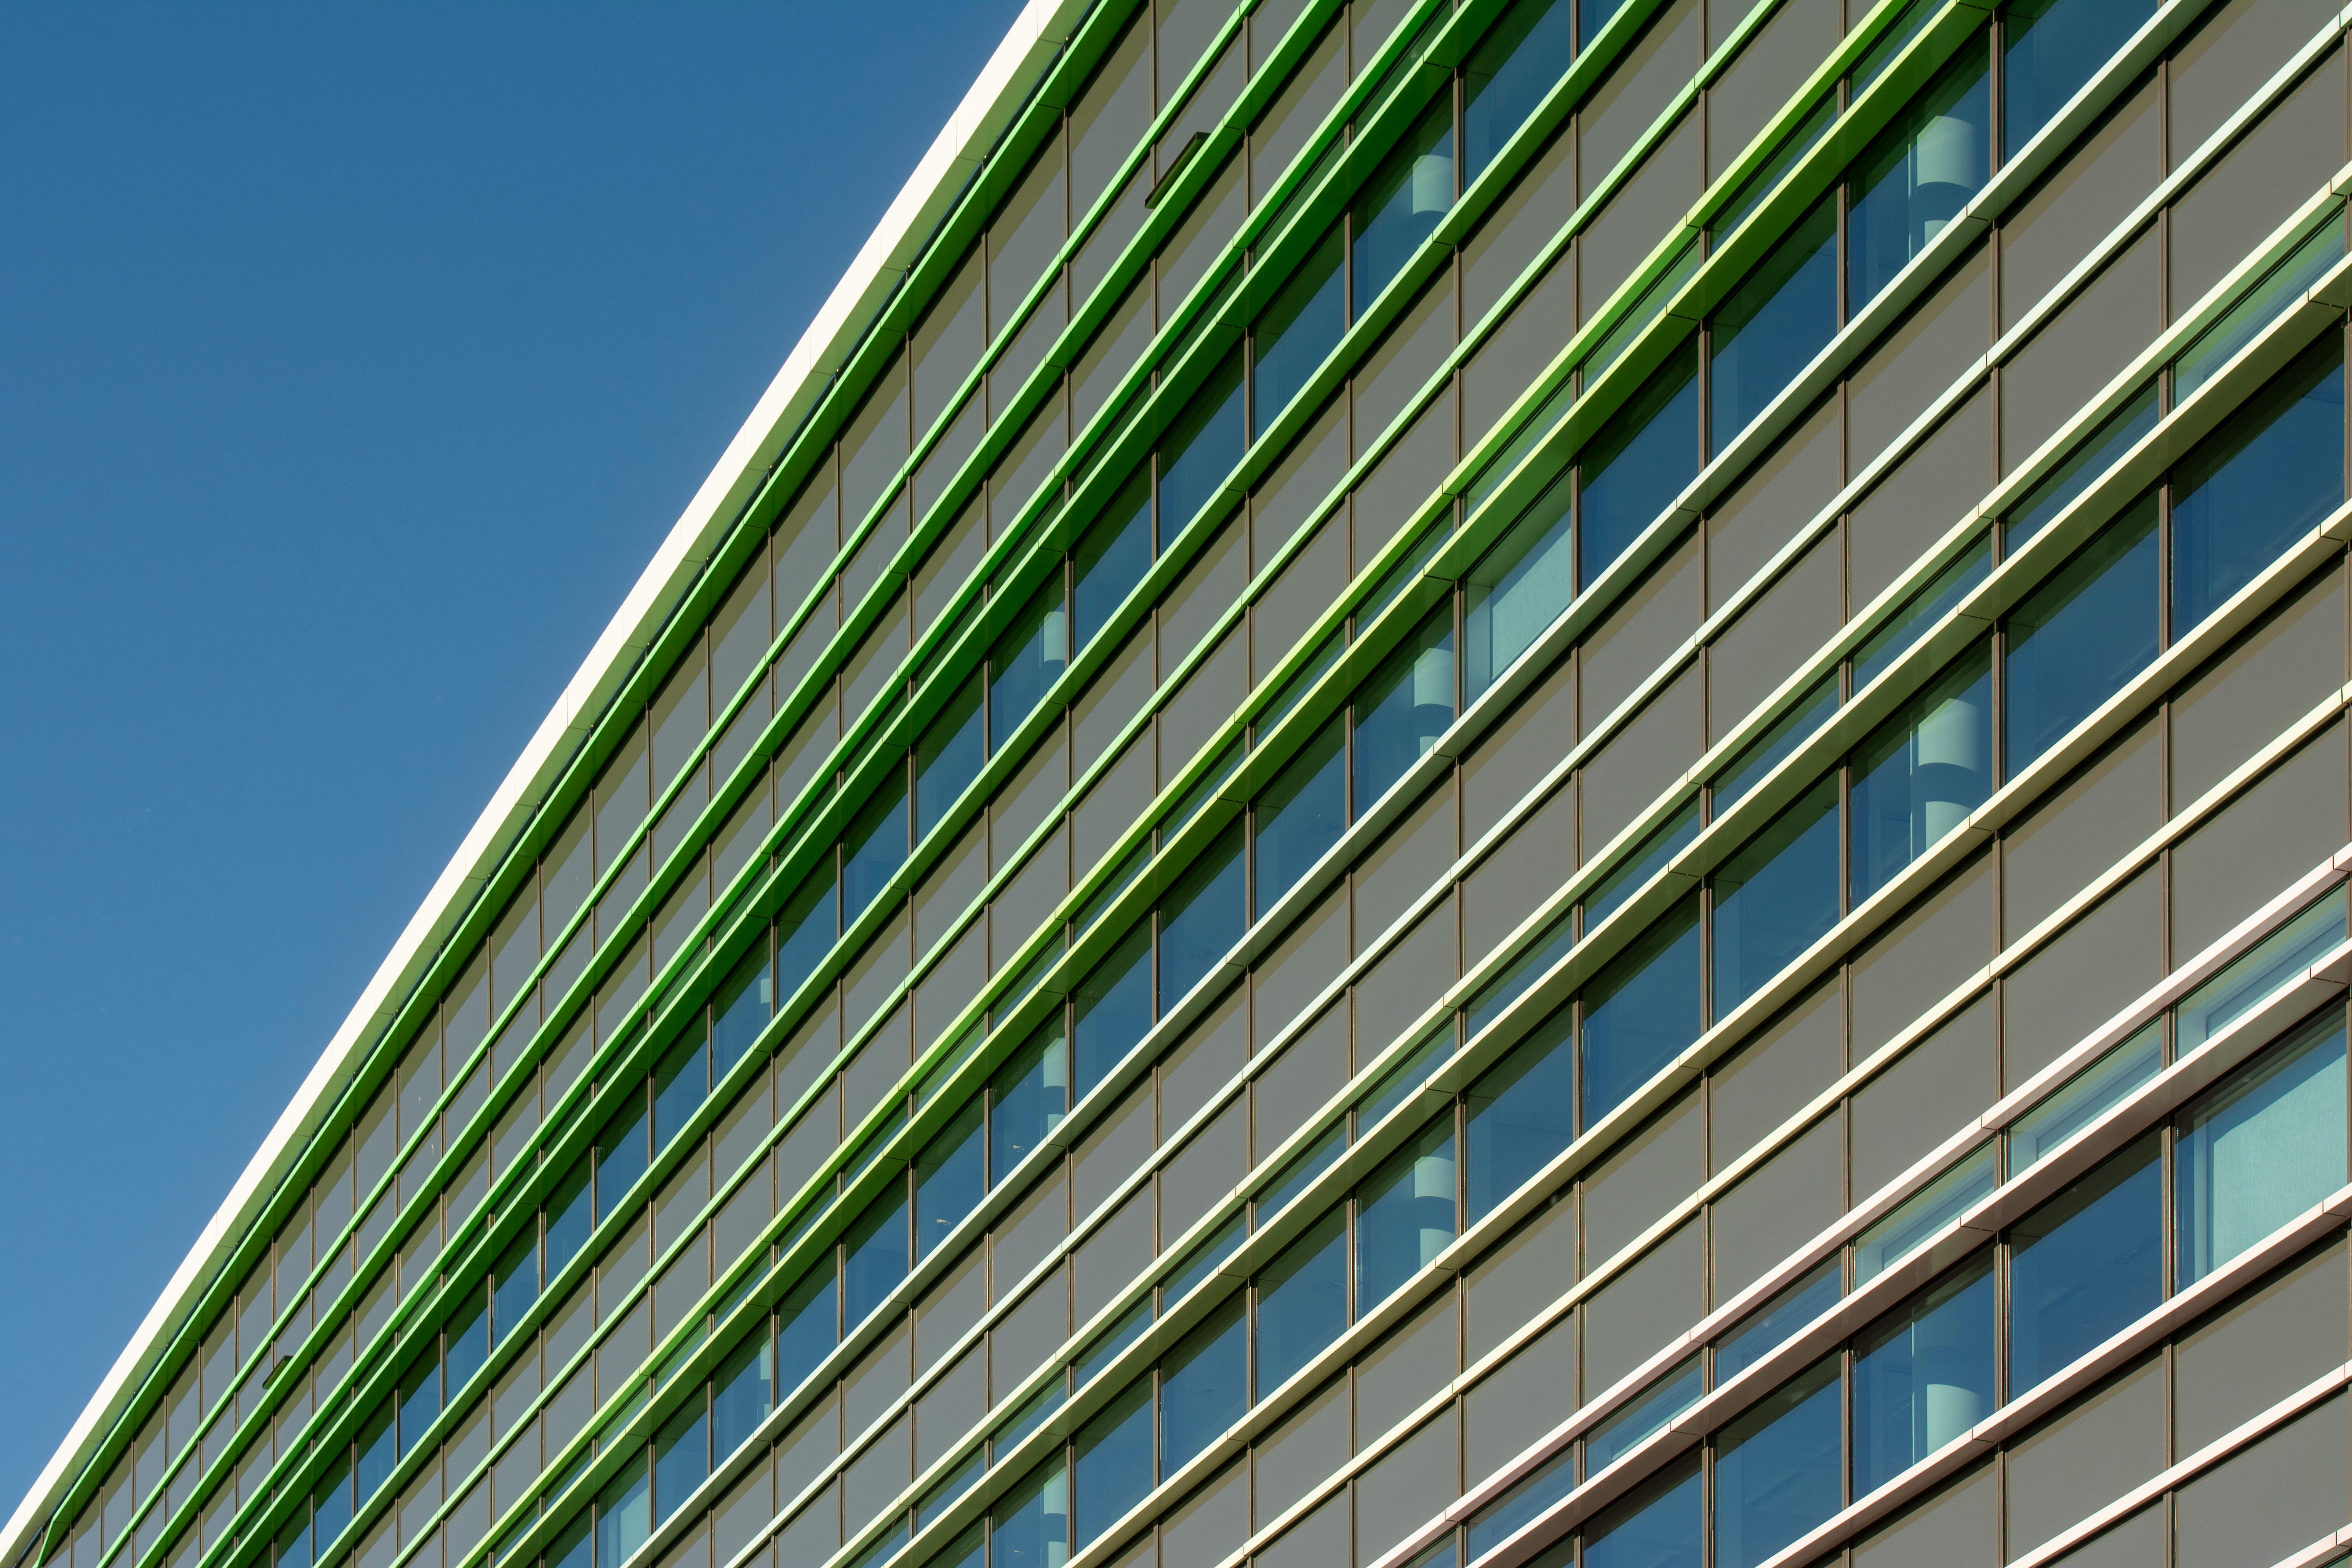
x,y
1444,783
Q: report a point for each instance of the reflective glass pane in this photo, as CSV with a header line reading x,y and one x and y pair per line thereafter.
x,y
1201,918
1519,588
1199,453
1641,1012
1027,1099
1302,1301
1297,331
1522,1114
1031,1528
2261,1149
1638,463
2116,434
1028,659
949,1177
1921,772
1776,896
1919,175
1774,322
1923,1375
1400,204
2086,1264
948,758
2049,48
1509,73
1777,1469
1404,1214
1203,1386
1301,814
1404,708
1113,1009
1112,1468
2081,636
1112,557
1657,1527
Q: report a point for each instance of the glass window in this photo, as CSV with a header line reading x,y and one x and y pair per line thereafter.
x,y
1301,814
874,848
1923,1375
1297,331
1510,72
1201,918
1641,1012
1404,1214
1656,1527
2273,469
2116,434
1031,1528
1776,1468
1203,1386
948,757
1919,175
621,1153
1027,1099
2086,1264
744,1391
2077,639
1112,557
948,1178
623,1515
679,1085
1925,608
1028,659
681,1457
1200,452
1404,708
1302,1301
806,1326
1400,204
1519,588
804,930
2261,1149
1765,1331
1113,1009
1112,1468
1522,1114
1774,322
1640,461
875,1258
1921,772
1775,895
2051,48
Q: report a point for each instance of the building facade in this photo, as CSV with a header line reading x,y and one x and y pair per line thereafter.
x,y
1447,784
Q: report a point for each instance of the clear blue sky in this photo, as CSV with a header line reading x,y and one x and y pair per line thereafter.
x,y
352,361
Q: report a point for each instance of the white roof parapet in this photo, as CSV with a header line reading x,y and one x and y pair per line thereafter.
x,y
962,146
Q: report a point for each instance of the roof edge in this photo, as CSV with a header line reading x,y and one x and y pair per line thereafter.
x,y
825,347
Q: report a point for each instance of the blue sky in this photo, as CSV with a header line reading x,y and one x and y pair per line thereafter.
x,y
352,361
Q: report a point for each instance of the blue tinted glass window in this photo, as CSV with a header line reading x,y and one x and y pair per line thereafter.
x,y
1641,1012
623,1515
1112,557
949,1179
1302,1301
1520,1506
468,1335
419,1394
1921,772
293,1544
681,1457
573,1546
874,1259
1298,331
1201,918
2272,471
1402,203
804,930
874,848
2086,1264
1027,1099
1778,1469
1113,1009
1656,1527
1404,708
1775,895
1638,463
2116,434
568,1216
330,1503
1203,1386
373,1465
1113,1469
1769,750
1592,16
1404,1214
948,757
681,1083
621,1152
1028,659
515,1285
1534,962
741,1010
1198,454
1301,814
1511,71
2051,48
1634,873
807,1326
1519,588
1774,321
744,1391
1923,1375
1031,1528
2078,637
1919,175
2261,1149
1522,1113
